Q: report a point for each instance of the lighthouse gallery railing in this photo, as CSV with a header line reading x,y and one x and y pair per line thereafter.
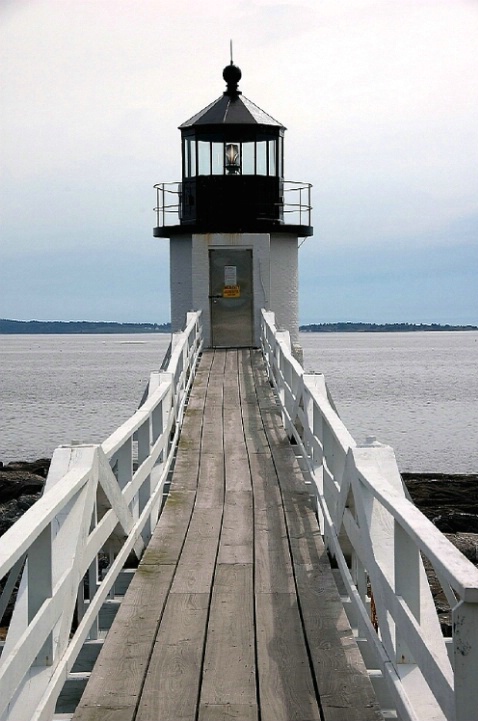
x,y
296,206
99,507
378,539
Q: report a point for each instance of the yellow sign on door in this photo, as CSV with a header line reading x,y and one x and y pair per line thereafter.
x,y
231,291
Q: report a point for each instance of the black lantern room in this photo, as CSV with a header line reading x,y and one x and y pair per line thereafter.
x,y
232,173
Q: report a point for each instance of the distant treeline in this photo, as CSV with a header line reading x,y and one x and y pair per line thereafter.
x,y
10,327
379,327
78,326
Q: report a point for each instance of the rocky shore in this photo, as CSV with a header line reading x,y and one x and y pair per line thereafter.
x,y
449,501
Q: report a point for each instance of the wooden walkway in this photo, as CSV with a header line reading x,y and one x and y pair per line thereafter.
x,y
233,612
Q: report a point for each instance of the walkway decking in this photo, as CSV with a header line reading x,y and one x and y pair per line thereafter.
x,y
233,612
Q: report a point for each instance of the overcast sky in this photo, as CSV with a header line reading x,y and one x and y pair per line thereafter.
x,y
380,99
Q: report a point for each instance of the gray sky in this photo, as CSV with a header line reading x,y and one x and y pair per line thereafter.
x,y
380,99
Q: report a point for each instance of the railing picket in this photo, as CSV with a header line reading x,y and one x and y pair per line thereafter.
x,y
407,585
465,628
144,449
40,586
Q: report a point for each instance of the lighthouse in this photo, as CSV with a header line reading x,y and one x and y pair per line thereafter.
x,y
233,222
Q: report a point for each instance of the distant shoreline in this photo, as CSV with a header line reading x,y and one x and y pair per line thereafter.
x,y
380,327
58,327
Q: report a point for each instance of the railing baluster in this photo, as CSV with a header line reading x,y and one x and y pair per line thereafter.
x,y
465,631
407,585
144,448
40,586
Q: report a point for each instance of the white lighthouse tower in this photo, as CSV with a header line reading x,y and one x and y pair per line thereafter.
x,y
234,223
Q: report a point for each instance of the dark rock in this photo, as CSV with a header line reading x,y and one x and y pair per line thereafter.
x,y
39,467
21,484
456,522
434,490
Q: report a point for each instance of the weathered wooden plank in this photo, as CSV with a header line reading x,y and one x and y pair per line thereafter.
x,y
227,712
265,483
229,675
118,675
171,687
211,480
340,674
246,379
101,712
341,677
213,428
238,473
236,544
196,565
185,475
235,448
256,440
168,536
272,559
191,431
212,435
231,391
286,687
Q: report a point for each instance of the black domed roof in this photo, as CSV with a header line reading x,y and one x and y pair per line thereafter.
x,y
232,108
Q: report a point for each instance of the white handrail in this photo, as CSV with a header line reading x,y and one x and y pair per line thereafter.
x,y
100,501
378,538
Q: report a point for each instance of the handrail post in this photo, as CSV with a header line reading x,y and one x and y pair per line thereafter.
x,y
40,587
144,449
407,585
465,648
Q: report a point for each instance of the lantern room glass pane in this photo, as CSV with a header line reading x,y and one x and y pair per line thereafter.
x,y
272,158
217,158
192,152
204,158
261,158
187,166
280,159
248,158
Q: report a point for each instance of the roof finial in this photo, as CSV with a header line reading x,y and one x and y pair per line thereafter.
x,y
232,74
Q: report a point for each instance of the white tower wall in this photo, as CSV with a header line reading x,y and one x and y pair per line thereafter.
x,y
284,273
275,277
180,273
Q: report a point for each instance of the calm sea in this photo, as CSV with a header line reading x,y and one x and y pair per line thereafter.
x,y
417,392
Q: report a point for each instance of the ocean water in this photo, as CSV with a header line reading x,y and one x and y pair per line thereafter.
x,y
417,392
55,389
